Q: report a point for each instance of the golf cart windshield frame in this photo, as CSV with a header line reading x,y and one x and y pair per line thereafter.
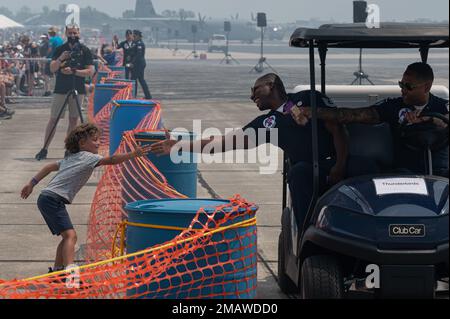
x,y
388,36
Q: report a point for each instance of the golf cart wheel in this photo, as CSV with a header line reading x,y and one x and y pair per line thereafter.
x,y
321,278
285,283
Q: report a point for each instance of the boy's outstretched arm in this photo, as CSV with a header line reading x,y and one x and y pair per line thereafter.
x,y
120,158
47,169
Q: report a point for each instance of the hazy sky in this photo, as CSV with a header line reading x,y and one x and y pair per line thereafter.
x,y
277,10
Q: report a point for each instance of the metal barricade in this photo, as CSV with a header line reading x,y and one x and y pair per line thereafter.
x,y
30,77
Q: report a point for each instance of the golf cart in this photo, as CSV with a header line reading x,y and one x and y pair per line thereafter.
x,y
384,236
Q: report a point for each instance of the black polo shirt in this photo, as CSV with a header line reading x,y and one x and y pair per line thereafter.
x,y
393,112
64,83
294,139
128,48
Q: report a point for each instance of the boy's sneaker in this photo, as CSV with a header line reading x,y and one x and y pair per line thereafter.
x,y
42,155
48,93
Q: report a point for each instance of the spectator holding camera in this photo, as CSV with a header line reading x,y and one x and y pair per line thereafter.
x,y
72,62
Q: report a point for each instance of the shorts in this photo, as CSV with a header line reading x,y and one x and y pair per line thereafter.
x,y
53,209
58,101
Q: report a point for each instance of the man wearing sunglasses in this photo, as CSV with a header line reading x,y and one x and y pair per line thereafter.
x,y
416,99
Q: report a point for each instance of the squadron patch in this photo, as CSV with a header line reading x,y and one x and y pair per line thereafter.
x,y
270,122
402,115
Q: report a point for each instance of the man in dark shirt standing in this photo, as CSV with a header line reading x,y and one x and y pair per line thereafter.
x,y
406,110
72,62
139,64
128,47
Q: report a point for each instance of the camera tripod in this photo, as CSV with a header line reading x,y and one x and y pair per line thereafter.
x,y
360,75
228,57
259,67
74,94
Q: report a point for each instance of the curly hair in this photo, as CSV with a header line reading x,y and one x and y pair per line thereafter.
x,y
80,133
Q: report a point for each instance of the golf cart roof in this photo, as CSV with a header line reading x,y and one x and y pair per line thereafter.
x,y
389,35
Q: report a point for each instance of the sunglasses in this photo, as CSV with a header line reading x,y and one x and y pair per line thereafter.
x,y
408,86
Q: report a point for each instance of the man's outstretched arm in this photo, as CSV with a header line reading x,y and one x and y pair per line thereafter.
x,y
215,144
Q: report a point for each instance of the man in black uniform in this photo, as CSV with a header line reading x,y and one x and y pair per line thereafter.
x,y
128,47
72,62
416,99
139,64
269,94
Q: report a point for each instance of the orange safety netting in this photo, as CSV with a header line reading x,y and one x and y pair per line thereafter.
x,y
215,257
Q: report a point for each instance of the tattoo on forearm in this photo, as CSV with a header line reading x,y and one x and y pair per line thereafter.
x,y
346,116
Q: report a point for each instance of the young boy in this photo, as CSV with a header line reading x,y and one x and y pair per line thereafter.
x,y
74,171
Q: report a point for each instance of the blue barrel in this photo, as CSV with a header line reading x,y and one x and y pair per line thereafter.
x,y
226,269
125,116
101,74
109,80
182,175
104,94
120,70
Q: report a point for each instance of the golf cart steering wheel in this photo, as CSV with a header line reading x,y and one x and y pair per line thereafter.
x,y
421,136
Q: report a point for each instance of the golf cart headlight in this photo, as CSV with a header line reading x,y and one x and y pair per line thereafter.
x,y
350,199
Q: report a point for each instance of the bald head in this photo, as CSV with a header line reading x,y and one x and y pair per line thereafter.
x,y
275,81
269,92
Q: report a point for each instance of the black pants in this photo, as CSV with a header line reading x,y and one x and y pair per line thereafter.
x,y
127,73
138,74
300,181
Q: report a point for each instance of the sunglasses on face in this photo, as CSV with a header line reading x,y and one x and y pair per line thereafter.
x,y
408,86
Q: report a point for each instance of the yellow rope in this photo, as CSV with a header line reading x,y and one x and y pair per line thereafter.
x,y
246,223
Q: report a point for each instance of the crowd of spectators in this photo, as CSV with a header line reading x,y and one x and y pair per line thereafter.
x,y
25,65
